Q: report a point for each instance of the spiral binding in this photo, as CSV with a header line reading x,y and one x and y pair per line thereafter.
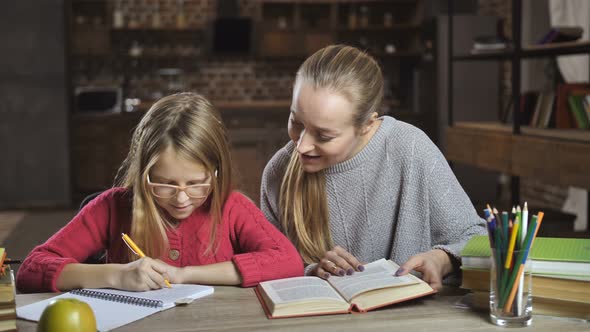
x,y
119,298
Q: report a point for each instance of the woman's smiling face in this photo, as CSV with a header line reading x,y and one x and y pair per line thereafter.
x,y
321,126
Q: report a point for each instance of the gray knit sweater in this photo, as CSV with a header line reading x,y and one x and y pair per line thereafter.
x,y
397,197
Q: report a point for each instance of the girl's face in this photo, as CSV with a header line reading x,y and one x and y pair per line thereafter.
x,y
172,170
321,126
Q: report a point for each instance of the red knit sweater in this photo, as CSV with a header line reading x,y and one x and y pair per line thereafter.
x,y
256,247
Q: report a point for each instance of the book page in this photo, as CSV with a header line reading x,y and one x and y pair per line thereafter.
x,y
297,289
378,274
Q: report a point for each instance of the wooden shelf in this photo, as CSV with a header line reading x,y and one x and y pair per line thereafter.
x,y
531,51
157,30
144,57
335,1
556,49
223,106
399,26
556,156
576,135
260,105
398,54
485,55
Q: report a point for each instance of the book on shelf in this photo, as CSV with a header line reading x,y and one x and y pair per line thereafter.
x,y
577,102
543,110
565,117
551,257
527,107
480,300
114,308
375,287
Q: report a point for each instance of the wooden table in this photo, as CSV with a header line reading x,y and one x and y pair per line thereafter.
x,y
234,308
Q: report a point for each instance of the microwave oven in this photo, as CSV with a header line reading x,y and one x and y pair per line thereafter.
x,y
98,99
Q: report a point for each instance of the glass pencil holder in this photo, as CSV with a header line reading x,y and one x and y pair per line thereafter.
x,y
510,288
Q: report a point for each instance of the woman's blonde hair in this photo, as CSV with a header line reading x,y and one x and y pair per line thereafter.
x,y
189,124
352,73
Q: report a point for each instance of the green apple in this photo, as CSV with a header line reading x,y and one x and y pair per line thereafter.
x,y
67,315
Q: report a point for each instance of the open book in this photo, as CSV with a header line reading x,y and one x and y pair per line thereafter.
x,y
114,308
375,287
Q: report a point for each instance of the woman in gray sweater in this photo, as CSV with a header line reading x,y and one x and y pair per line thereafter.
x,y
354,187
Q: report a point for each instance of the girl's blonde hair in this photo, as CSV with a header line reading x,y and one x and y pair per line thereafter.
x,y
189,124
352,73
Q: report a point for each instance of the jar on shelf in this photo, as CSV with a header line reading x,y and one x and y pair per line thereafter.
x,y
132,22
352,18
135,50
156,20
118,16
387,19
389,48
180,15
282,22
364,17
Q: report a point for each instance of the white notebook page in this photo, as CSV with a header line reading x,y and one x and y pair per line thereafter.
x,y
110,314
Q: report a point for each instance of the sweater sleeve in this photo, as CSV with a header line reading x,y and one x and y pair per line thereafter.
x,y
269,196
82,237
264,252
453,219
270,186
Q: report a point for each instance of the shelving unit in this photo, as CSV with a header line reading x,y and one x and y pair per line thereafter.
x,y
556,156
368,24
389,30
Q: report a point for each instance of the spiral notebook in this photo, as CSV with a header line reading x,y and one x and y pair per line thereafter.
x,y
114,308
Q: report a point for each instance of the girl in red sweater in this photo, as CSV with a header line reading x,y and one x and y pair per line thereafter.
x,y
175,202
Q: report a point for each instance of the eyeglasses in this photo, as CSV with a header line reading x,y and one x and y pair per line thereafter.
x,y
167,190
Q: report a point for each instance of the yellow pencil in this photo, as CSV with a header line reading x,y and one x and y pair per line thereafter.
x,y
138,251
511,244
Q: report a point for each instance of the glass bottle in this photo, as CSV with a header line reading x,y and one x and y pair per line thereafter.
x,y
180,15
156,20
118,18
387,20
364,19
352,19
282,23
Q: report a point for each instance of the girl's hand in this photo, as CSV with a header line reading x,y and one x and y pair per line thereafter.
x,y
174,275
433,264
142,275
338,262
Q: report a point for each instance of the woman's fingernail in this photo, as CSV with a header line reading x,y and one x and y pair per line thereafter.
x,y
341,272
360,268
326,275
399,271
349,271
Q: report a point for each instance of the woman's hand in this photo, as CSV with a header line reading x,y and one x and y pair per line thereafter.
x,y
337,262
433,264
143,274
